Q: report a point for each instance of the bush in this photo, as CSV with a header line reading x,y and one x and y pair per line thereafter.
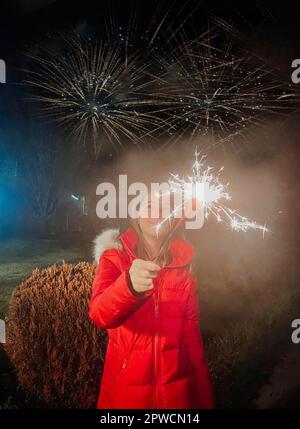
x,y
57,351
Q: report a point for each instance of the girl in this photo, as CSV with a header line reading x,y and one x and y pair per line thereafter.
x,y
145,296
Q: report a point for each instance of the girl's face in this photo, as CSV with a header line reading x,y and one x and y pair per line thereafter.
x,y
152,212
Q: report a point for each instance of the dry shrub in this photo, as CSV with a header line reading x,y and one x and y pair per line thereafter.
x,y
57,351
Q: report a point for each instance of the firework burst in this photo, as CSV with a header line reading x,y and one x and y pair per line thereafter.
x,y
208,88
173,86
94,90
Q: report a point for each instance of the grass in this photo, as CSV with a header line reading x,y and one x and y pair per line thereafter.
x,y
19,257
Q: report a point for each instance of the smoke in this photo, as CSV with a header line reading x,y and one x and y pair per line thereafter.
x,y
241,274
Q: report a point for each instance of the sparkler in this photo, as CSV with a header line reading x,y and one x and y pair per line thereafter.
x,y
213,199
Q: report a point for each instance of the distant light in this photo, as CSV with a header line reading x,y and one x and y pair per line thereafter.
x,y
74,197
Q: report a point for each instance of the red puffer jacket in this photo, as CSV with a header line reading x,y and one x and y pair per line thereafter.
x,y
155,356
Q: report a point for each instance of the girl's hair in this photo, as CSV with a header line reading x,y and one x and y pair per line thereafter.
x,y
164,254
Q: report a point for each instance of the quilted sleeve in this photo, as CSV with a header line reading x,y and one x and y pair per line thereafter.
x,y
113,298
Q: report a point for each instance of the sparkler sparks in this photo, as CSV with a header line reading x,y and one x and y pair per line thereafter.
x,y
213,199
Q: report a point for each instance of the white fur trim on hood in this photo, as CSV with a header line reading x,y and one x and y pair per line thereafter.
x,y
107,239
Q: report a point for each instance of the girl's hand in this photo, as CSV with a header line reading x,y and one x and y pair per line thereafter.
x,y
141,274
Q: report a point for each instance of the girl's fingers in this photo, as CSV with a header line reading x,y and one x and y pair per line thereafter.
x,y
146,274
142,274
145,288
144,282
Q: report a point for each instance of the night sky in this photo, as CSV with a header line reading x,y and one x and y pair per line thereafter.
x,y
269,28
271,24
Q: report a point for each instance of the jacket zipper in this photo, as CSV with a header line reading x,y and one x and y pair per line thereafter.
x,y
156,380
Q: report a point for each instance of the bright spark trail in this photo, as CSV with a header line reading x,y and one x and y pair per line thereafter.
x,y
213,199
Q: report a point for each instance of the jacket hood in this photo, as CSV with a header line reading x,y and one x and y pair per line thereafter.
x,y
107,239
182,251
